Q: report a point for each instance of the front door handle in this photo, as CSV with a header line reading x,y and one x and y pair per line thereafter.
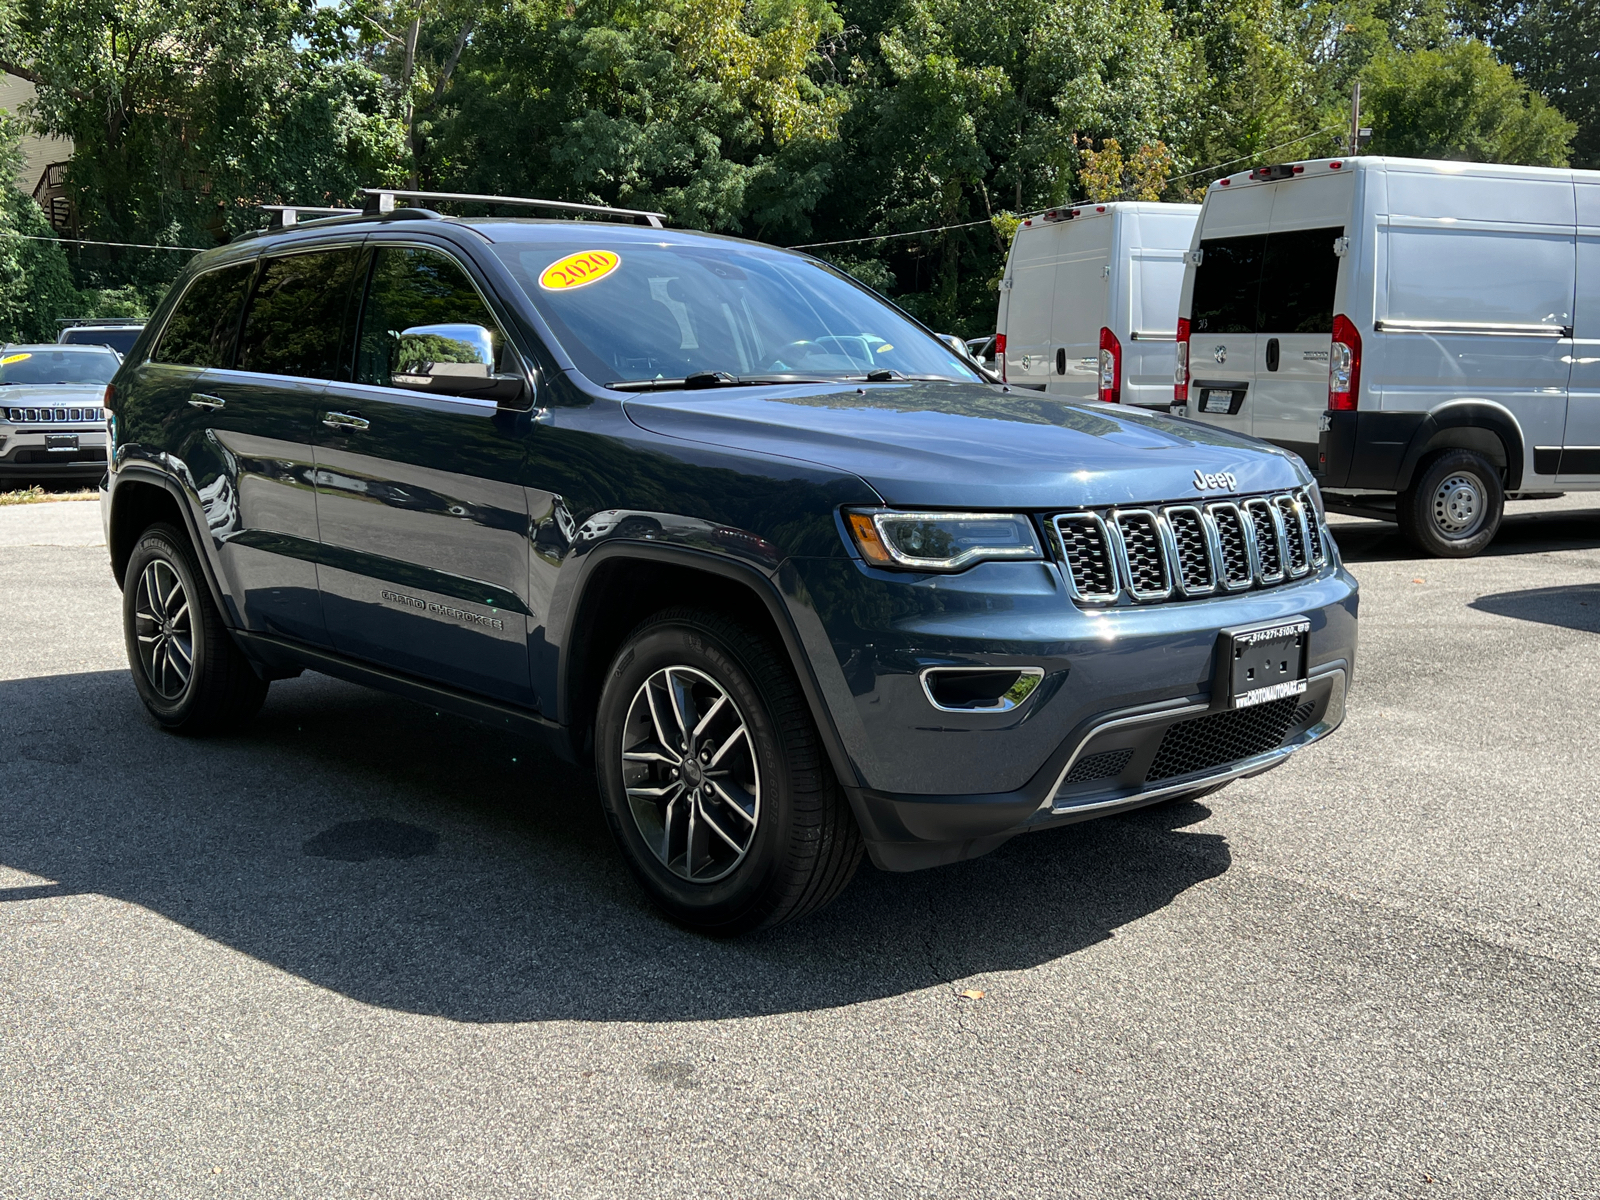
x,y
347,422
1272,354
201,400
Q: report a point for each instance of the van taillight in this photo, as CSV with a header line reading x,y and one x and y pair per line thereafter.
x,y
1344,366
1180,377
1000,353
1110,367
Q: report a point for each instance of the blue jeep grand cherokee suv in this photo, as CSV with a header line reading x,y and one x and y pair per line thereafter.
x,y
792,575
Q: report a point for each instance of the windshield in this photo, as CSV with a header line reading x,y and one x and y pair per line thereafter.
x,y
120,340
629,311
58,366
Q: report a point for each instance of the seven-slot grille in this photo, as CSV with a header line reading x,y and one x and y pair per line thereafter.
x,y
1184,551
20,416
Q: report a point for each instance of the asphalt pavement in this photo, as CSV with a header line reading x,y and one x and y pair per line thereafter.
x,y
365,950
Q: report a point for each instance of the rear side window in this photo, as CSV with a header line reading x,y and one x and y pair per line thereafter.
x,y
1226,284
296,315
1298,278
1281,282
201,329
413,287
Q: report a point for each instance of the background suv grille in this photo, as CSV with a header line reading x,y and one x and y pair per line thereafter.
x,y
40,415
1185,551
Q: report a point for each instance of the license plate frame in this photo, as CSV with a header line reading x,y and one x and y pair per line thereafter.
x,y
61,441
1260,663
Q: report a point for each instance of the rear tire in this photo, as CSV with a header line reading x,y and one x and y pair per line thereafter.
x,y
714,780
186,667
1454,505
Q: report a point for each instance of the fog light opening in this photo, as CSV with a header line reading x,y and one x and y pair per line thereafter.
x,y
979,689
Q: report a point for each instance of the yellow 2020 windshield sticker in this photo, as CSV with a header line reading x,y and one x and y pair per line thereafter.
x,y
11,358
576,270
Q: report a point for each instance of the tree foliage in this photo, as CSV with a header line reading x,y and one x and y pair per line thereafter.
x,y
850,122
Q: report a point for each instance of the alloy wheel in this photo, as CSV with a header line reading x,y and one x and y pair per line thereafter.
x,y
689,767
163,624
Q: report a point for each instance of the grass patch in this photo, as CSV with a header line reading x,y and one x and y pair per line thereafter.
x,y
37,495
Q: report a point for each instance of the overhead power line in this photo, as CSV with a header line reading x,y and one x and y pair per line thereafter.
x,y
884,237
34,237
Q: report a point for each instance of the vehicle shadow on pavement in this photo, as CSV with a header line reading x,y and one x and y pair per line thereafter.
x,y
1576,606
1520,533
488,888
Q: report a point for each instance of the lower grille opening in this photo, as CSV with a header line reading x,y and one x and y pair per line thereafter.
x,y
1098,766
1217,739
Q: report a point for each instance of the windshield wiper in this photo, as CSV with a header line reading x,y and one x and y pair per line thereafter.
x,y
708,379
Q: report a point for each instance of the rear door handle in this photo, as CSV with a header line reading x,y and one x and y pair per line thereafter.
x,y
348,422
201,400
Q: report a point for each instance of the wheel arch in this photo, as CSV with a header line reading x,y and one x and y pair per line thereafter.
x,y
141,498
622,584
1482,426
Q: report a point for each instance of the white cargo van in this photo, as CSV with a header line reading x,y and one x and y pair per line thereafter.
x,y
1425,334
1089,301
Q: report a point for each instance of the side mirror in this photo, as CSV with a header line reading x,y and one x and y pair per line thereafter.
x,y
956,344
452,360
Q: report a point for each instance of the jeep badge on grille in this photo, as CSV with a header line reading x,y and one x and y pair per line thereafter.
x,y
1222,479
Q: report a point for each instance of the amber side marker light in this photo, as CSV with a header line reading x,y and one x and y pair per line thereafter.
x,y
866,535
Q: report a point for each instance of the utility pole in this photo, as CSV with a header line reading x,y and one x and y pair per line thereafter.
x,y
1355,118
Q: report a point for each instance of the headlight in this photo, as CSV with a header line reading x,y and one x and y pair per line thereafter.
x,y
930,541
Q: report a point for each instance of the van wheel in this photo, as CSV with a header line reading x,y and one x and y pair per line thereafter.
x,y
714,780
1454,504
186,667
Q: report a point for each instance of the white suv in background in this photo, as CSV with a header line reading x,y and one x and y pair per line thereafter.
x,y
1425,334
52,411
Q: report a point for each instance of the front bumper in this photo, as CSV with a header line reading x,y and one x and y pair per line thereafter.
x,y
935,786
26,454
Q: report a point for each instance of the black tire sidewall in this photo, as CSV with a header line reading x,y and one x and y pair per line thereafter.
x,y
1420,527
165,543
727,902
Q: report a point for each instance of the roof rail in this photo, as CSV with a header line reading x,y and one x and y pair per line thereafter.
x,y
381,200
82,322
285,215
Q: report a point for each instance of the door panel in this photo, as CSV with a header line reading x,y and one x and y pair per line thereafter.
x,y
1299,277
1222,341
423,516
1580,445
425,538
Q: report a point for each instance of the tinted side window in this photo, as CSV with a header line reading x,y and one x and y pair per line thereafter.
x,y
1298,277
201,329
412,287
1226,283
297,314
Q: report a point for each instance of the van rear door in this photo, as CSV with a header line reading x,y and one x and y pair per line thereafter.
x,y
1222,342
1294,326
1030,306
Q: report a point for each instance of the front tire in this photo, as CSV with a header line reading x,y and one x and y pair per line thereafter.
x,y
714,780
186,667
1454,505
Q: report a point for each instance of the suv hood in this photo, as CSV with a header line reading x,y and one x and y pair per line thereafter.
x,y
52,395
967,445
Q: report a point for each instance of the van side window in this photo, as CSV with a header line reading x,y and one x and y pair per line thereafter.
x,y
1299,273
412,287
201,330
1226,284
296,315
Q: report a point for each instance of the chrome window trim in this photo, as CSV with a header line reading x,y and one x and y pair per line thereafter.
x,y
1111,558
1126,569
1004,706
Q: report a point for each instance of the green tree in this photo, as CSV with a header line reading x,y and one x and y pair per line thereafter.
x,y
35,280
1554,45
1459,102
